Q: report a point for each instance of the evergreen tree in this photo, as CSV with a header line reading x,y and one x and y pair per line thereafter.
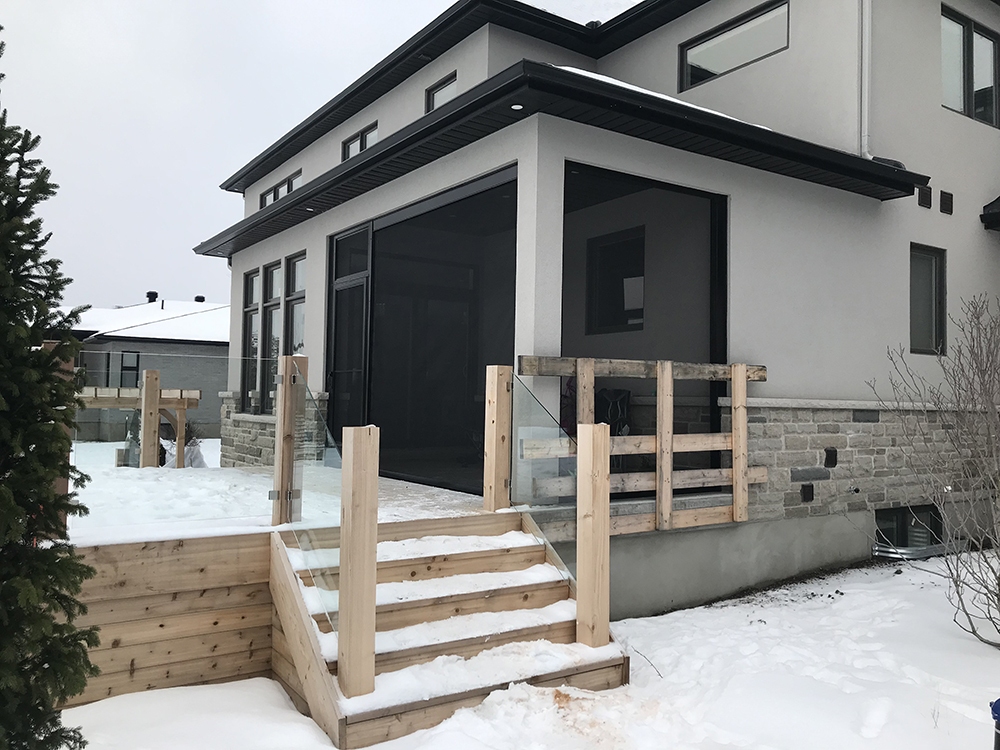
x,y
43,655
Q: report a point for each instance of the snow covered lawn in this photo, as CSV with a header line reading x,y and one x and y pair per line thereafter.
x,y
863,659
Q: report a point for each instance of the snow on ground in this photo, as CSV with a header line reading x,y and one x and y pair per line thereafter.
x,y
248,715
856,661
128,505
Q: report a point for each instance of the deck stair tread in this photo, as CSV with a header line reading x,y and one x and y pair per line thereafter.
x,y
402,603
457,615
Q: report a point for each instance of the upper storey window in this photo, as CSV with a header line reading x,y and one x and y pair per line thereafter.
x,y
360,141
746,39
442,92
969,72
284,187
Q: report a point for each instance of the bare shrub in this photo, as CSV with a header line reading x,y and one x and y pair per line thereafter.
x,y
951,444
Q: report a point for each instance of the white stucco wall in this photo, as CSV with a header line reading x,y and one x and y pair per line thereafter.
x,y
809,90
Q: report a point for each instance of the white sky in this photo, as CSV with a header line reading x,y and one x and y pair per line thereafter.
x,y
145,107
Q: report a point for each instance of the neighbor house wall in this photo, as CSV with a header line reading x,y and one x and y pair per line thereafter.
x,y
181,612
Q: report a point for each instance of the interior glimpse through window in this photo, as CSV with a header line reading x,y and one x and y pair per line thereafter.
x,y
969,68
983,78
738,43
616,277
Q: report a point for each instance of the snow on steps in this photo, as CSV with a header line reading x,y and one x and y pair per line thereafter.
x,y
464,606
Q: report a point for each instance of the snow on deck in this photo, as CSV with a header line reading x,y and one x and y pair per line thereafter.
x,y
405,549
319,600
147,505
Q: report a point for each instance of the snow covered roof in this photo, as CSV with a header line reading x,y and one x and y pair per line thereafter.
x,y
161,320
584,11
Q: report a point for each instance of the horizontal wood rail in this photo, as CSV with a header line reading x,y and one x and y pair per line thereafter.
x,y
631,368
663,445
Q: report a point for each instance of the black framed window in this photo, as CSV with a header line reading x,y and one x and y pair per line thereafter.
x,y
928,309
442,92
360,141
916,526
129,377
283,188
295,304
271,319
251,341
745,39
969,67
616,278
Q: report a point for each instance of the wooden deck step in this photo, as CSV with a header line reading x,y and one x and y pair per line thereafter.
x,y
504,559
403,614
563,631
369,728
484,524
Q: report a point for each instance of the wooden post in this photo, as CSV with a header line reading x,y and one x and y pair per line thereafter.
x,y
149,438
664,444
358,542
585,391
741,495
289,369
593,526
180,433
496,446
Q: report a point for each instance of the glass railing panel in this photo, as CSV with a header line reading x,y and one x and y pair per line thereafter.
x,y
228,466
543,463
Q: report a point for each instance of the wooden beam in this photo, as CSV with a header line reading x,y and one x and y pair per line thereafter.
x,y
646,481
664,443
686,519
622,445
496,445
698,442
303,643
359,525
289,379
631,368
134,402
149,438
593,511
740,457
585,390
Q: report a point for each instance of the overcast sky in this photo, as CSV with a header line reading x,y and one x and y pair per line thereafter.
x,y
145,107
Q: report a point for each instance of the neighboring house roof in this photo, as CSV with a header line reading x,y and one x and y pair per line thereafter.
x,y
630,21
575,95
163,320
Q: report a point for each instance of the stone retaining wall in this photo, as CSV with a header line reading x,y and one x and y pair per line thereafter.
x,y
248,439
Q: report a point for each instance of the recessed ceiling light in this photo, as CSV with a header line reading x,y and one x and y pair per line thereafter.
x,y
517,107
310,210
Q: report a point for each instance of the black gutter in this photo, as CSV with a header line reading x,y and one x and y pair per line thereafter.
x,y
991,211
542,88
444,32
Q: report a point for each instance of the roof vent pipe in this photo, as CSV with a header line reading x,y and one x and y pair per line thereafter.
x,y
151,296
200,298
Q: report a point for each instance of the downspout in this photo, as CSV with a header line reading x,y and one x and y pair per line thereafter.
x,y
865,80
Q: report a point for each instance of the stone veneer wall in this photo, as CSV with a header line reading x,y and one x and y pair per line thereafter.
x,y
248,439
792,438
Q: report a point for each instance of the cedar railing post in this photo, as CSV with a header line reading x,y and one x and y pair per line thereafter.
x,y
593,526
180,433
739,426
664,444
585,390
358,542
149,437
496,446
291,370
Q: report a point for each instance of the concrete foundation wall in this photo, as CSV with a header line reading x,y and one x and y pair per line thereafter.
x,y
663,571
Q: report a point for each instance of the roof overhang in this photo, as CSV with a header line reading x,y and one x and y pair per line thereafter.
x,y
991,215
447,30
542,88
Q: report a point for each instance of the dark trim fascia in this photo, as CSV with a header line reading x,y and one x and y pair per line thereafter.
x,y
542,88
99,339
444,32
991,211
